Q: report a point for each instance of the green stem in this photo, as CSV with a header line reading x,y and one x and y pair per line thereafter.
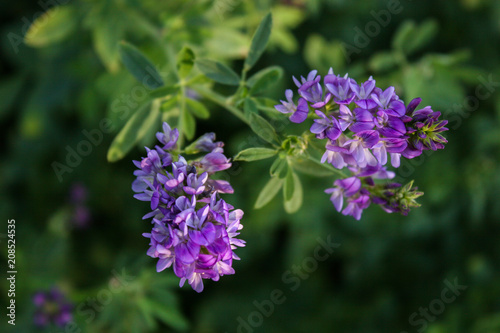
x,y
220,100
241,87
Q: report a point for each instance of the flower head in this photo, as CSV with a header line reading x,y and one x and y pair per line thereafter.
x,y
194,230
365,128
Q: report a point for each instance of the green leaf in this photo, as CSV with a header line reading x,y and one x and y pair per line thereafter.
x,y
409,37
129,134
259,41
226,43
53,26
255,154
106,35
164,91
264,79
268,192
140,66
249,106
267,105
403,36
311,168
185,62
295,202
288,187
218,72
188,125
264,102
145,308
170,102
197,109
423,34
279,167
262,128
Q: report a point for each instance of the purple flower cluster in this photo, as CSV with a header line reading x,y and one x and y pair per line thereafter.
x,y
52,308
194,231
364,126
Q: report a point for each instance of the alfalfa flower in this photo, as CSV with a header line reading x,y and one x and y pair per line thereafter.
x,y
364,127
194,230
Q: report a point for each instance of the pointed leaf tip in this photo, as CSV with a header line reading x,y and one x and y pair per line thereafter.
x,y
140,66
218,72
259,41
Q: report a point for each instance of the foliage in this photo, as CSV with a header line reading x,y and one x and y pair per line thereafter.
x,y
110,72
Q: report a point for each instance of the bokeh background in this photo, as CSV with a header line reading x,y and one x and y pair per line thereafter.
x,y
82,230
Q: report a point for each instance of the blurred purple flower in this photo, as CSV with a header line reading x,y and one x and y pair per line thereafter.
x,y
52,308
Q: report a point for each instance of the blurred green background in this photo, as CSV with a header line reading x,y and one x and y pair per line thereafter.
x,y
385,269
